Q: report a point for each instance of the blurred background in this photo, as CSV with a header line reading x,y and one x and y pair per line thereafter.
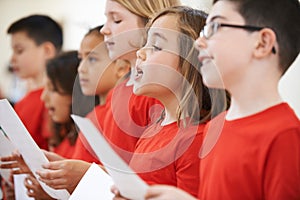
x,y
76,17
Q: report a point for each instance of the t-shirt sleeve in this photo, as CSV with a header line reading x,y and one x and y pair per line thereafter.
x,y
282,172
188,166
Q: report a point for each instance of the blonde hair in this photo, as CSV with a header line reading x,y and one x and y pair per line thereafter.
x,y
147,8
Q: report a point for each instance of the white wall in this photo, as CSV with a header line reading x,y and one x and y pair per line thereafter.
x,y
77,16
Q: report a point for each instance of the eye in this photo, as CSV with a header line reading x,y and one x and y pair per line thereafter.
x,y
19,51
92,59
117,21
156,48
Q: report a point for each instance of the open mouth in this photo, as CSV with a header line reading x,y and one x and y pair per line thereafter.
x,y
138,73
109,43
204,59
51,110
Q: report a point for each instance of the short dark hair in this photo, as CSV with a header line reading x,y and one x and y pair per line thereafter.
x,y
95,30
40,28
282,16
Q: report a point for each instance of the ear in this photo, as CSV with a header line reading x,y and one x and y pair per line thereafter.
x,y
122,67
49,50
265,44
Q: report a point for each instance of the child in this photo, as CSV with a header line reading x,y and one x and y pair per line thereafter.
x,y
255,155
97,75
167,69
128,115
34,39
57,95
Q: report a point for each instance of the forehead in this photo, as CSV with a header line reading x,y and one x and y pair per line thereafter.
x,y
225,11
21,38
166,21
91,41
112,7
165,29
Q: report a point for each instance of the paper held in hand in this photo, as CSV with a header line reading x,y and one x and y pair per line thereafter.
x,y
22,140
130,185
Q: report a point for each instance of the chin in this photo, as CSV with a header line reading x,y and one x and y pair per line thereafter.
x,y
213,84
136,90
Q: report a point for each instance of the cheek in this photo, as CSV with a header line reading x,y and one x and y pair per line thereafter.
x,y
65,108
25,59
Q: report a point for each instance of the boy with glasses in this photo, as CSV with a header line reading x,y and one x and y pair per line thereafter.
x,y
252,151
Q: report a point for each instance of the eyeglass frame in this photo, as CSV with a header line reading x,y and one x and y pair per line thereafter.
x,y
216,25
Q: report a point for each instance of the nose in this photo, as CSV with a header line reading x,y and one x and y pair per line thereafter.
x,y
105,30
81,67
200,43
12,59
141,54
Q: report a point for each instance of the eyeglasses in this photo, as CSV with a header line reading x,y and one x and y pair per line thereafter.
x,y
210,29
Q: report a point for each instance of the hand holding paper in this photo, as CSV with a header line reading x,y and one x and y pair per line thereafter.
x,y
6,149
64,173
16,163
130,185
31,153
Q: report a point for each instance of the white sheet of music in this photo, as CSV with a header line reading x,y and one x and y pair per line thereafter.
x,y
94,185
22,140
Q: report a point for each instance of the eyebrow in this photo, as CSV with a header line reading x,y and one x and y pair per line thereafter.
x,y
113,12
215,17
160,36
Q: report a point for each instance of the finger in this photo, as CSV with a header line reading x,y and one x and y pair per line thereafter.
x,y
118,198
32,179
55,183
7,158
155,191
50,174
28,182
54,165
9,165
31,193
115,190
52,156
16,171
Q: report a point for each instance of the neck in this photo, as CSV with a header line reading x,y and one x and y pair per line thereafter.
x,y
36,82
170,104
250,97
102,99
132,73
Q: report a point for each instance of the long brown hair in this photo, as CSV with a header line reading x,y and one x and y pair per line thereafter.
x,y
197,101
62,72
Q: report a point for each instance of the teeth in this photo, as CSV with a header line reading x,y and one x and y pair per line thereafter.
x,y
138,72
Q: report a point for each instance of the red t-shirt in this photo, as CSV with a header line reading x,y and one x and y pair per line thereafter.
x,y
127,117
169,155
255,157
34,115
65,149
83,151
